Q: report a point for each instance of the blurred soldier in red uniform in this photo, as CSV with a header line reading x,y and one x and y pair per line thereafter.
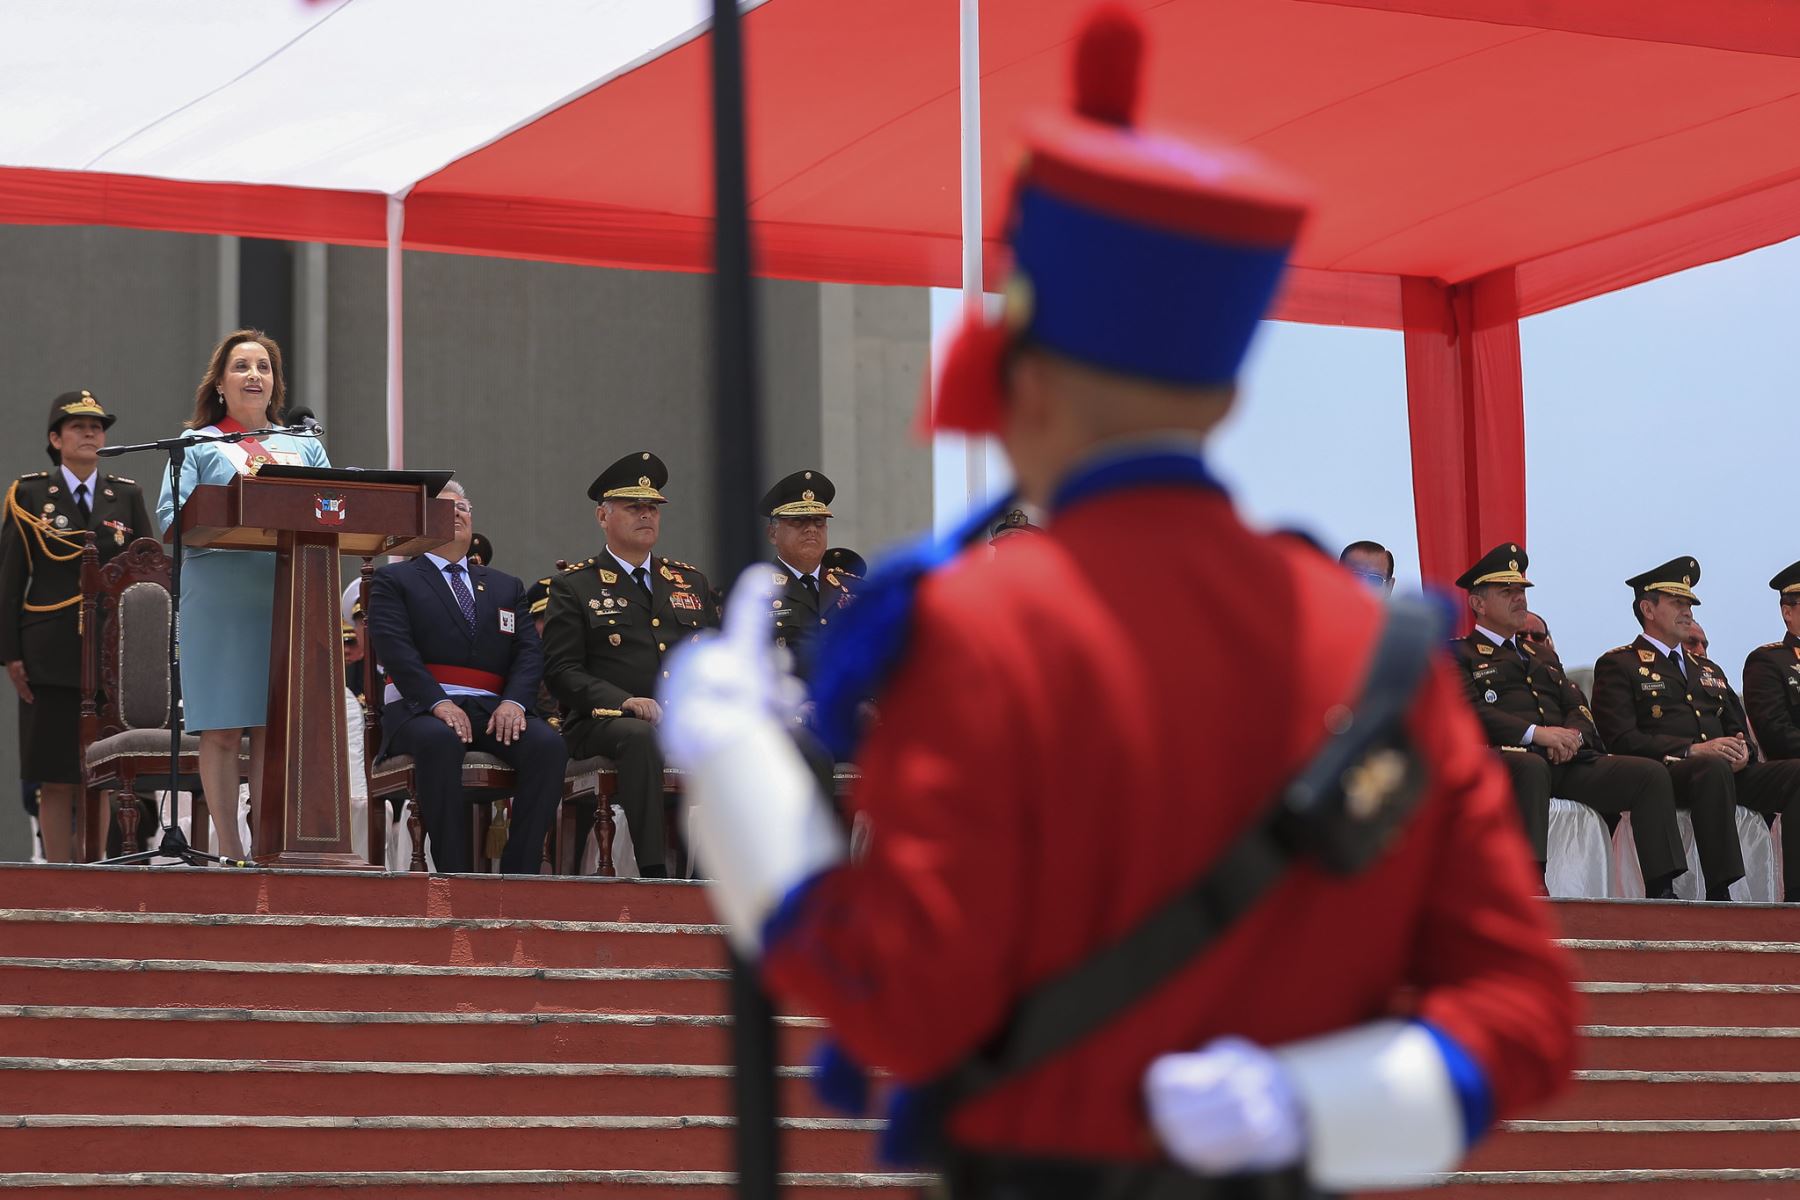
x,y
1052,769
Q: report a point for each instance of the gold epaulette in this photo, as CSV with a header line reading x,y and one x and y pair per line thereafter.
x,y
1771,646
676,562
34,475
1620,649
121,479
573,567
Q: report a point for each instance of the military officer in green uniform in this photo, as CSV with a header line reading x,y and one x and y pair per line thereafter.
x,y
609,623
1772,681
1539,722
48,514
807,594
1657,700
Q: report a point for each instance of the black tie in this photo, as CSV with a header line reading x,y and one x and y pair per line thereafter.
x,y
81,503
812,588
1519,649
643,580
1675,661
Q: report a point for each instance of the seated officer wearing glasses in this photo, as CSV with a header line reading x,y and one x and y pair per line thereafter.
x,y
1371,562
1657,700
1540,723
463,663
1772,682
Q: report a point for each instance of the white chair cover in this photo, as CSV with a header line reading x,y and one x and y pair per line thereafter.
x,y
1762,860
624,856
1580,866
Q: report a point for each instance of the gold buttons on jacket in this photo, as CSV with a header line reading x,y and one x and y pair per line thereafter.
x,y
654,621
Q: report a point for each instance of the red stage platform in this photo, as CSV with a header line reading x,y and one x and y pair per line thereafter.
x,y
179,1032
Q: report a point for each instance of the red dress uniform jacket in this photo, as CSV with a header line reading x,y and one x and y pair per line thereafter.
x,y
1069,741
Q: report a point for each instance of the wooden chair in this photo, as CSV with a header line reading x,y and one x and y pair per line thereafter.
x,y
124,725
485,779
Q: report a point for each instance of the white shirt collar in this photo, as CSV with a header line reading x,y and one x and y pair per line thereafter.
x,y
629,568
441,563
73,481
1665,649
1491,636
796,572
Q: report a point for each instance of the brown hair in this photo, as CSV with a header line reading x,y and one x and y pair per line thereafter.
x,y
209,405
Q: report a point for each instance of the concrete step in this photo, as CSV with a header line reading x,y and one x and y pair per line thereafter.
x,y
352,894
1675,1096
375,987
286,937
454,1185
138,1143
1732,1183
1690,1048
87,1032
1631,1145
1708,1004
1679,919
370,1089
1670,961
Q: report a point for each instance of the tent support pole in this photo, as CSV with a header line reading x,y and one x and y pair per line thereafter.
x,y
975,449
1466,412
396,379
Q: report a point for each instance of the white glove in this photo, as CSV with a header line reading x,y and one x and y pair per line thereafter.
x,y
725,679
756,819
1227,1107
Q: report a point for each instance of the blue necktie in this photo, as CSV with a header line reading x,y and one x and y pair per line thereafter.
x,y
464,597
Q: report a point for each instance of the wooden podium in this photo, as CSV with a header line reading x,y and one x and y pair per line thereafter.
x,y
309,516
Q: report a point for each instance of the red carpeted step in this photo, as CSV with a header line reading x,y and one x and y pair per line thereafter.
x,y
356,987
1699,1048
1726,1182
1631,961
352,893
127,1086
86,1032
508,1143
475,1185
1632,1145
234,937
1674,1095
1711,1004
1678,919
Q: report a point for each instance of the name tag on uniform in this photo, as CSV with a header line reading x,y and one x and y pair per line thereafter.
x,y
507,621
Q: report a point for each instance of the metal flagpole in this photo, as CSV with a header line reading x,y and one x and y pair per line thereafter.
x,y
737,466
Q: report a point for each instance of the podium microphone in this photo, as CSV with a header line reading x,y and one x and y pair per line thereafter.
x,y
303,420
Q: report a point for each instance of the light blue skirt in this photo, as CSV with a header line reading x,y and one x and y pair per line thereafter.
x,y
227,603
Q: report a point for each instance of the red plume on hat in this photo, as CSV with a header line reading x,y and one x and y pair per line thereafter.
x,y
967,395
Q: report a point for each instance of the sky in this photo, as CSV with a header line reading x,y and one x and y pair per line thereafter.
x,y
1661,420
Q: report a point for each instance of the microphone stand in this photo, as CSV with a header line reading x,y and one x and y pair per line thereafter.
x,y
173,844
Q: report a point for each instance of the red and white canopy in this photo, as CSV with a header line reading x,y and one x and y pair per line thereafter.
x,y
1589,144
1478,160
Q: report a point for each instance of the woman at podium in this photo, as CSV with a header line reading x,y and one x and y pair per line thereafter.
x,y
228,596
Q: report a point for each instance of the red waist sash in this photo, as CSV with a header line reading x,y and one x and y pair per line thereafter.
x,y
487,681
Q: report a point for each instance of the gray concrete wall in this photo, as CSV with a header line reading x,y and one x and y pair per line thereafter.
x,y
525,378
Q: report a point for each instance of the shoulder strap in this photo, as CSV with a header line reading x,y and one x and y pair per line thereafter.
x,y
1325,814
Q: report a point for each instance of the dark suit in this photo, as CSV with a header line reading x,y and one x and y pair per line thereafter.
x,y
605,639
415,624
801,615
1650,706
1772,698
40,567
1511,694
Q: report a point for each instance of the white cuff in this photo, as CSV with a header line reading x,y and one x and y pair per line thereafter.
x,y
1530,736
1381,1108
759,826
